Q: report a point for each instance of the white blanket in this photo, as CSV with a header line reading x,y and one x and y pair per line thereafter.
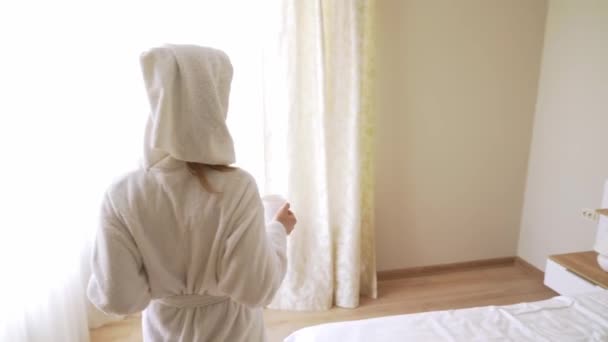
x,y
582,318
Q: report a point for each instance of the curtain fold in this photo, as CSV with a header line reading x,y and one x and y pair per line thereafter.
x,y
327,80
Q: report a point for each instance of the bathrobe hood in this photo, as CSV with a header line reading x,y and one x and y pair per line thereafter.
x,y
188,89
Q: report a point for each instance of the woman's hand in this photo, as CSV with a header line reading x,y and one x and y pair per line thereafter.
x,y
286,218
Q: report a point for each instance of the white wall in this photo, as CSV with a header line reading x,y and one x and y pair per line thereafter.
x,y
569,154
458,82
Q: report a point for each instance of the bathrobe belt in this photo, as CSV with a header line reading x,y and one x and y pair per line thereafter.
x,y
191,301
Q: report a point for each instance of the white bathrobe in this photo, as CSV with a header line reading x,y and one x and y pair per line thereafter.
x,y
201,265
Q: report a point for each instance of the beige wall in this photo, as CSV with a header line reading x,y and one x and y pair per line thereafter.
x,y
569,154
458,83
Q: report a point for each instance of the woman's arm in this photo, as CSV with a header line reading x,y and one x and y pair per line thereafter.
x,y
253,262
118,283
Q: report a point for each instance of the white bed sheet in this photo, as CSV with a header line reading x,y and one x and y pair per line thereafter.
x,y
580,318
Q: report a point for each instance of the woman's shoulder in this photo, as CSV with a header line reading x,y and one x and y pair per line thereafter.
x,y
242,175
126,183
235,177
138,181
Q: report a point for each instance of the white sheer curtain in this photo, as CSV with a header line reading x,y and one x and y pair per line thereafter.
x,y
322,126
72,114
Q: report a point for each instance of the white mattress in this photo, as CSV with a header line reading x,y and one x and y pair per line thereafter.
x,y
580,318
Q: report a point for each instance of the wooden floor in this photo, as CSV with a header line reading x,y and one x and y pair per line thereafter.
x,y
479,286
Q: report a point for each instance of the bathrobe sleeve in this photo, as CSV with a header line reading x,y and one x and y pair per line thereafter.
x,y
118,283
253,261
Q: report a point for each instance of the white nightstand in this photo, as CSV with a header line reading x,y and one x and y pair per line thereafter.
x,y
574,273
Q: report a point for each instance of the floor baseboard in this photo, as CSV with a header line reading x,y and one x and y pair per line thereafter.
x,y
443,268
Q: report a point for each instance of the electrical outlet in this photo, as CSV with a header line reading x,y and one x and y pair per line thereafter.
x,y
590,214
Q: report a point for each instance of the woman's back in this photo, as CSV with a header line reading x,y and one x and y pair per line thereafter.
x,y
186,248
178,226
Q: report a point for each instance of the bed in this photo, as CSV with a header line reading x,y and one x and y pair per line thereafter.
x,y
579,318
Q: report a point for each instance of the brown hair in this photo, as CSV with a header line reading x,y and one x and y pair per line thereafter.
x,y
200,170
